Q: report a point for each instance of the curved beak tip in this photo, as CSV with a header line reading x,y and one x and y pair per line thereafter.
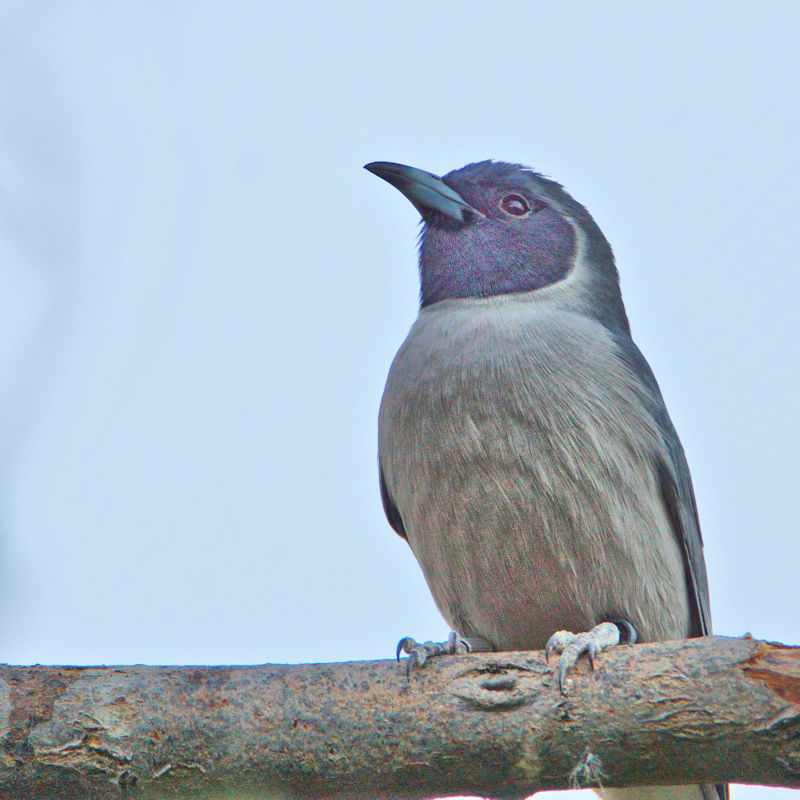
x,y
426,191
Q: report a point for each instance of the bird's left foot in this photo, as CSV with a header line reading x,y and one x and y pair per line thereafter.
x,y
573,645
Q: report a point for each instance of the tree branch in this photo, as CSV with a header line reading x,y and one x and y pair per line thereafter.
x,y
703,710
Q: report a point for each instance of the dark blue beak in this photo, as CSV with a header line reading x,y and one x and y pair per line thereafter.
x,y
426,191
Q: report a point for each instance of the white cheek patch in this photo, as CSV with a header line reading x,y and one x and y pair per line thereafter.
x,y
578,263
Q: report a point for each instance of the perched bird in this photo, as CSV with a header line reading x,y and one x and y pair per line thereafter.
x,y
525,451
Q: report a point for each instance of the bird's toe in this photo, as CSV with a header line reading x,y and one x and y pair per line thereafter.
x,y
573,646
419,652
557,643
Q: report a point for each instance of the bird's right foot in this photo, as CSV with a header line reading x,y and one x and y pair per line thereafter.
x,y
419,652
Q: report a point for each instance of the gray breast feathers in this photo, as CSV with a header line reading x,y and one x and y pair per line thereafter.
x,y
520,453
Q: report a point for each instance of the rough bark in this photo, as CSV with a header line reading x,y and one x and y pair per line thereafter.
x,y
703,710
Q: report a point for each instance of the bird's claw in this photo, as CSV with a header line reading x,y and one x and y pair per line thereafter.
x,y
419,652
557,643
572,646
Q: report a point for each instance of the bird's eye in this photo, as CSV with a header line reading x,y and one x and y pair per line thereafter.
x,y
515,205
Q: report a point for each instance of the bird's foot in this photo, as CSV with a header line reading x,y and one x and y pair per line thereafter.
x,y
572,646
418,653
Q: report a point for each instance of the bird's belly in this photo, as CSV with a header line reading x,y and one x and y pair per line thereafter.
x,y
513,566
523,473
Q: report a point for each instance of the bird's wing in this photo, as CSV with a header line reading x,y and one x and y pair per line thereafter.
x,y
676,489
680,505
391,510
677,492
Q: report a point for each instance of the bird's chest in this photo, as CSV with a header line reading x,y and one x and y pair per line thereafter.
x,y
516,451
528,397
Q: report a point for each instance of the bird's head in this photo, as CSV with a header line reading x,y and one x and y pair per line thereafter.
x,y
492,228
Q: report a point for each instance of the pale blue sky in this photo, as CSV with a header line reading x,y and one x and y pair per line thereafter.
x,y
203,291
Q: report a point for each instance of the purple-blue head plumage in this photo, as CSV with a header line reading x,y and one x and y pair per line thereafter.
x,y
492,228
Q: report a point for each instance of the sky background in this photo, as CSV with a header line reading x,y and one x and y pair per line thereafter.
x,y
202,291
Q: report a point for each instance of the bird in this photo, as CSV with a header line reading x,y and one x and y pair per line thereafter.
x,y
525,451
